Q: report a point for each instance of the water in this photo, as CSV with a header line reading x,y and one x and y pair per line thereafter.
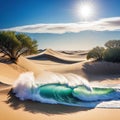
x,y
68,89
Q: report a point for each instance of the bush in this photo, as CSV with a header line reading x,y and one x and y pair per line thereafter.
x,y
96,53
113,44
112,55
13,45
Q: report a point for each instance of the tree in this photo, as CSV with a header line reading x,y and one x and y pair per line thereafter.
x,y
113,44
96,53
15,44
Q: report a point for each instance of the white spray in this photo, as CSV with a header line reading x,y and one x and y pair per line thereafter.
x,y
26,83
27,87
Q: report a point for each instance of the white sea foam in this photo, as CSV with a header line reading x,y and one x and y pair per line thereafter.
x,y
26,84
69,79
27,87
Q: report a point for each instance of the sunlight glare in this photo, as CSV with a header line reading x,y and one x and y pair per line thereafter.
x,y
85,11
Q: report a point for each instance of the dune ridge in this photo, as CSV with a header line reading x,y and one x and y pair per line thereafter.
x,y
56,56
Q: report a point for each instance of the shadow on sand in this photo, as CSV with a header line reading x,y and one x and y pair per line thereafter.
x,y
52,58
101,71
37,107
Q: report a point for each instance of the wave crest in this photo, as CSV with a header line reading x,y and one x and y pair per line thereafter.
x,y
68,89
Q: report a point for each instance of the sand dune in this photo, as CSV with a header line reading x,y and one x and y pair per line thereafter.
x,y
56,56
55,61
9,72
78,52
28,65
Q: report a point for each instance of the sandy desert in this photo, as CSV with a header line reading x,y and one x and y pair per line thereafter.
x,y
63,62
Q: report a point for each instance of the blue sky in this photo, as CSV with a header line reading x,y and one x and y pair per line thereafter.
x,y
57,25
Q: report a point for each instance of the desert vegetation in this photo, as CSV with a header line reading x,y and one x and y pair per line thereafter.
x,y
14,45
110,53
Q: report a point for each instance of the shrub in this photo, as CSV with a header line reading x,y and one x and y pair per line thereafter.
x,y
96,53
112,55
113,44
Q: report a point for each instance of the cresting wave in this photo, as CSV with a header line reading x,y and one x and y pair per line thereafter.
x,y
68,89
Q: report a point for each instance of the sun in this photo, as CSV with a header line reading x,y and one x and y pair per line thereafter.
x,y
85,11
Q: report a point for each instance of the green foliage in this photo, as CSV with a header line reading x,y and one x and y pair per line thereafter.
x,y
14,45
113,44
112,55
96,53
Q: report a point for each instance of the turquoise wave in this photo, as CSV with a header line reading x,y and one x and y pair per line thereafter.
x,y
66,94
69,90
96,94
